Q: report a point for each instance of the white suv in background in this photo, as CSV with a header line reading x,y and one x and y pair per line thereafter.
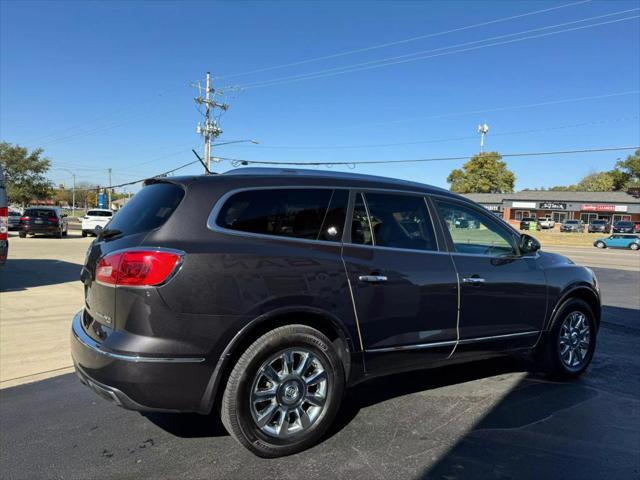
x,y
98,217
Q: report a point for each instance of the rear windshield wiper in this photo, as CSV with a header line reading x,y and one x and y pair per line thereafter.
x,y
110,232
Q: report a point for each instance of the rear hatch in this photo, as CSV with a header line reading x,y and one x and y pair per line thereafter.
x,y
146,212
39,218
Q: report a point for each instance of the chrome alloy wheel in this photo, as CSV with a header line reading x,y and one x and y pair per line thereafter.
x,y
575,337
289,392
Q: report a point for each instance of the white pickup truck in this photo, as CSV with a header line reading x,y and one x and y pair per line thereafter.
x,y
546,222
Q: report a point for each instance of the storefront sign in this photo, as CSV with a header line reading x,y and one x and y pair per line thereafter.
x,y
599,207
552,206
524,205
493,208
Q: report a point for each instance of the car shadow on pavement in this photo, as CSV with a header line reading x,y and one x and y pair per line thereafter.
x,y
20,274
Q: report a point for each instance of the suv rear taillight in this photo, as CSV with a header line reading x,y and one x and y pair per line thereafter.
x,y
4,223
53,220
137,268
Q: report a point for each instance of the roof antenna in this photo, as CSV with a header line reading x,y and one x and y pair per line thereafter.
x,y
206,169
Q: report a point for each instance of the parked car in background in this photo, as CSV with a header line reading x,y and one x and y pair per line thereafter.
x,y
43,220
14,219
4,220
546,223
95,220
572,226
602,226
261,294
624,226
619,240
527,222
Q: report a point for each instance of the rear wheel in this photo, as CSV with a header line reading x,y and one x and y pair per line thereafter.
x,y
634,246
22,234
571,342
84,233
283,392
600,244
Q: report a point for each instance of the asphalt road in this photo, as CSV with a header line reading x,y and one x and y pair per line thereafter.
x,y
494,419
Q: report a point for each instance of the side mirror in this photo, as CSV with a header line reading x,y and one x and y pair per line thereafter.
x,y
64,215
528,244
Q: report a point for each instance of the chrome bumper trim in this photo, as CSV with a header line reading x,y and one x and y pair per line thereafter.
x,y
87,341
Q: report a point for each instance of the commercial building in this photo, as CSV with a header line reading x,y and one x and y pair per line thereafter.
x,y
585,206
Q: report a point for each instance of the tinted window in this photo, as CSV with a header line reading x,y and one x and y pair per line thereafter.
x,y
360,226
625,224
400,221
310,213
98,213
474,232
147,209
39,213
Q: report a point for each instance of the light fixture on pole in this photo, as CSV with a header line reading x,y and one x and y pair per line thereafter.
x,y
483,129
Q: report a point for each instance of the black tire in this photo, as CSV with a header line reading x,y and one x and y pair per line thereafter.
x,y
601,245
65,232
550,355
59,234
84,234
634,246
236,413
22,235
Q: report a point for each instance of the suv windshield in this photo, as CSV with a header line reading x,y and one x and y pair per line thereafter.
x,y
598,222
572,222
624,224
528,219
148,209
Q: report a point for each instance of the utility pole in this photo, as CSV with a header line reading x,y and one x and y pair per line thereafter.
x,y
73,197
483,129
210,130
109,194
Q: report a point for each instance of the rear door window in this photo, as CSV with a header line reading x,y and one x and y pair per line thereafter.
x,y
148,209
400,221
307,213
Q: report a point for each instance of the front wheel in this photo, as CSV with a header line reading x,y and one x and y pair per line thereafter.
x,y
571,341
600,245
283,392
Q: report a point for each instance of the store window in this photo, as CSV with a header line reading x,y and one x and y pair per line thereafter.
x,y
520,214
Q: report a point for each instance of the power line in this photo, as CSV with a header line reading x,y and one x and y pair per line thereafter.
x,y
403,41
238,161
449,139
501,109
401,58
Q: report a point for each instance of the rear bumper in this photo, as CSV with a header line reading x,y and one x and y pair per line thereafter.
x,y
139,382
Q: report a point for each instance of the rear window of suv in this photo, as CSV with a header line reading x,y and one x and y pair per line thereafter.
x,y
307,213
148,209
98,213
39,213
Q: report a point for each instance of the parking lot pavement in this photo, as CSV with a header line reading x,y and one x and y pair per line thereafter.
x,y
493,419
39,293
605,258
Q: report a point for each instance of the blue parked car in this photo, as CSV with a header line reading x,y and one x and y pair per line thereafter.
x,y
618,240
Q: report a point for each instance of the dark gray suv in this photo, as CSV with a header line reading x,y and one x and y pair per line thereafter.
x,y
261,294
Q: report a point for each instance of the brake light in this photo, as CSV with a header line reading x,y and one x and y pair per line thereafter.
x,y
24,219
53,220
137,267
4,223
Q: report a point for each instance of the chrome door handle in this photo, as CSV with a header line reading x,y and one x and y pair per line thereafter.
x,y
372,278
473,280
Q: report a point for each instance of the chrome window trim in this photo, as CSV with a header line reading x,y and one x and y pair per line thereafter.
x,y
452,342
91,344
215,211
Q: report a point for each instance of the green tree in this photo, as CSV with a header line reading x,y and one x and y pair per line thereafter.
x,y
629,171
483,173
25,173
596,182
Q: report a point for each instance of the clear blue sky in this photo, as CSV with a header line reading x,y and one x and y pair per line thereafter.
x,y
107,84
